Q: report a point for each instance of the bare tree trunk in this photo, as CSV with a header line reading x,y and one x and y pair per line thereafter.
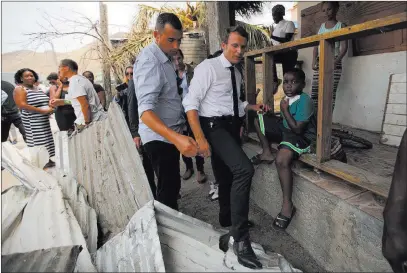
x,y
107,83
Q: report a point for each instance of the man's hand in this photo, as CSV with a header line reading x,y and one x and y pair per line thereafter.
x,y
204,148
260,108
186,145
59,83
56,102
284,104
137,141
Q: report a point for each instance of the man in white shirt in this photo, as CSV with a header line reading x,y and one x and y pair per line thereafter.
x,y
213,110
81,94
282,32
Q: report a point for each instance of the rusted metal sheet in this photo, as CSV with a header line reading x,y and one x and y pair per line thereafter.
x,y
57,259
104,159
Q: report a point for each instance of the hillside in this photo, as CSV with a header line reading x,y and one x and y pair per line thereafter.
x,y
44,63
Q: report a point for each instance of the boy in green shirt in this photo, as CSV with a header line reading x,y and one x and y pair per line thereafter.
x,y
294,132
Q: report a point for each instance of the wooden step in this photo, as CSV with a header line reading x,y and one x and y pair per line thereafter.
x,y
354,175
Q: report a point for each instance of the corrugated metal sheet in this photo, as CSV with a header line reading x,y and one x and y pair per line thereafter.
x,y
104,159
191,245
57,259
38,215
136,249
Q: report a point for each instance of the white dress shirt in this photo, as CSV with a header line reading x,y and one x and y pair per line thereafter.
x,y
211,90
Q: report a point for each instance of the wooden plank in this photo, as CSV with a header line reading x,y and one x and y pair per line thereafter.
x,y
391,140
394,130
250,85
325,96
364,179
398,109
393,119
399,78
397,99
268,80
398,88
386,24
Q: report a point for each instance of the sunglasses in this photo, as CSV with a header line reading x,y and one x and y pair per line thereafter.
x,y
127,74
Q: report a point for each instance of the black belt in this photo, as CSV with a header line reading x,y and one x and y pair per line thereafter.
x,y
217,119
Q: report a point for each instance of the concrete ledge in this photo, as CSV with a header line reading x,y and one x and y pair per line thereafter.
x,y
339,224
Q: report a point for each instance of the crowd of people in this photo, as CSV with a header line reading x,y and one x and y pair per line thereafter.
x,y
174,110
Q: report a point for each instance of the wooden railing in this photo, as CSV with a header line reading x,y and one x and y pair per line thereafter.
x,y
326,42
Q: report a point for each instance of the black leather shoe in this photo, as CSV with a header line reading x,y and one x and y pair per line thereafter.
x,y
245,255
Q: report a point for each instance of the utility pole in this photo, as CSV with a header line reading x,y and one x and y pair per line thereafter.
x,y
107,83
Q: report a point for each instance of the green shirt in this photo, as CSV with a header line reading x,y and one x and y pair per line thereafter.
x,y
301,110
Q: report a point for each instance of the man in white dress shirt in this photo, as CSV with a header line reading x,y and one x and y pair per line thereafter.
x,y
213,109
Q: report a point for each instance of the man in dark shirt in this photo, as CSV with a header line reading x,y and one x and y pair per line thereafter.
x,y
98,88
133,126
9,113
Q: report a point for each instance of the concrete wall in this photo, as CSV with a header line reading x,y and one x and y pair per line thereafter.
x,y
362,91
218,21
340,225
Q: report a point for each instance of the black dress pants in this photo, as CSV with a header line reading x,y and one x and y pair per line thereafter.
x,y
233,171
164,158
148,168
7,120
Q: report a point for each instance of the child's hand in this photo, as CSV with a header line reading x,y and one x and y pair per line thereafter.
x,y
284,104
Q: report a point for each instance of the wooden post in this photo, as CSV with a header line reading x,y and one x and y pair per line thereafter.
x,y
250,84
325,95
268,80
107,83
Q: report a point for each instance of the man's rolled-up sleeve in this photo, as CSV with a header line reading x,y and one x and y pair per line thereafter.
x,y
148,83
200,84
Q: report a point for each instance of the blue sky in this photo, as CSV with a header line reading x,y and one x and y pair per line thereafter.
x,y
19,18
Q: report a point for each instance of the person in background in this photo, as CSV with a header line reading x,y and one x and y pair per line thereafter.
x,y
394,240
52,80
330,9
122,93
35,111
214,110
185,74
134,127
64,114
282,32
98,88
9,113
81,95
160,108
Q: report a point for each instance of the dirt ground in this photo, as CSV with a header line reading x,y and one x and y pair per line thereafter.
x,y
195,202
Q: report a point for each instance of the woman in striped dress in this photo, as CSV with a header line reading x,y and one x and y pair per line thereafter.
x,y
35,111
330,8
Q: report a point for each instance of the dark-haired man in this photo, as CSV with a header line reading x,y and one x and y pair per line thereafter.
x,y
81,94
160,108
214,109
